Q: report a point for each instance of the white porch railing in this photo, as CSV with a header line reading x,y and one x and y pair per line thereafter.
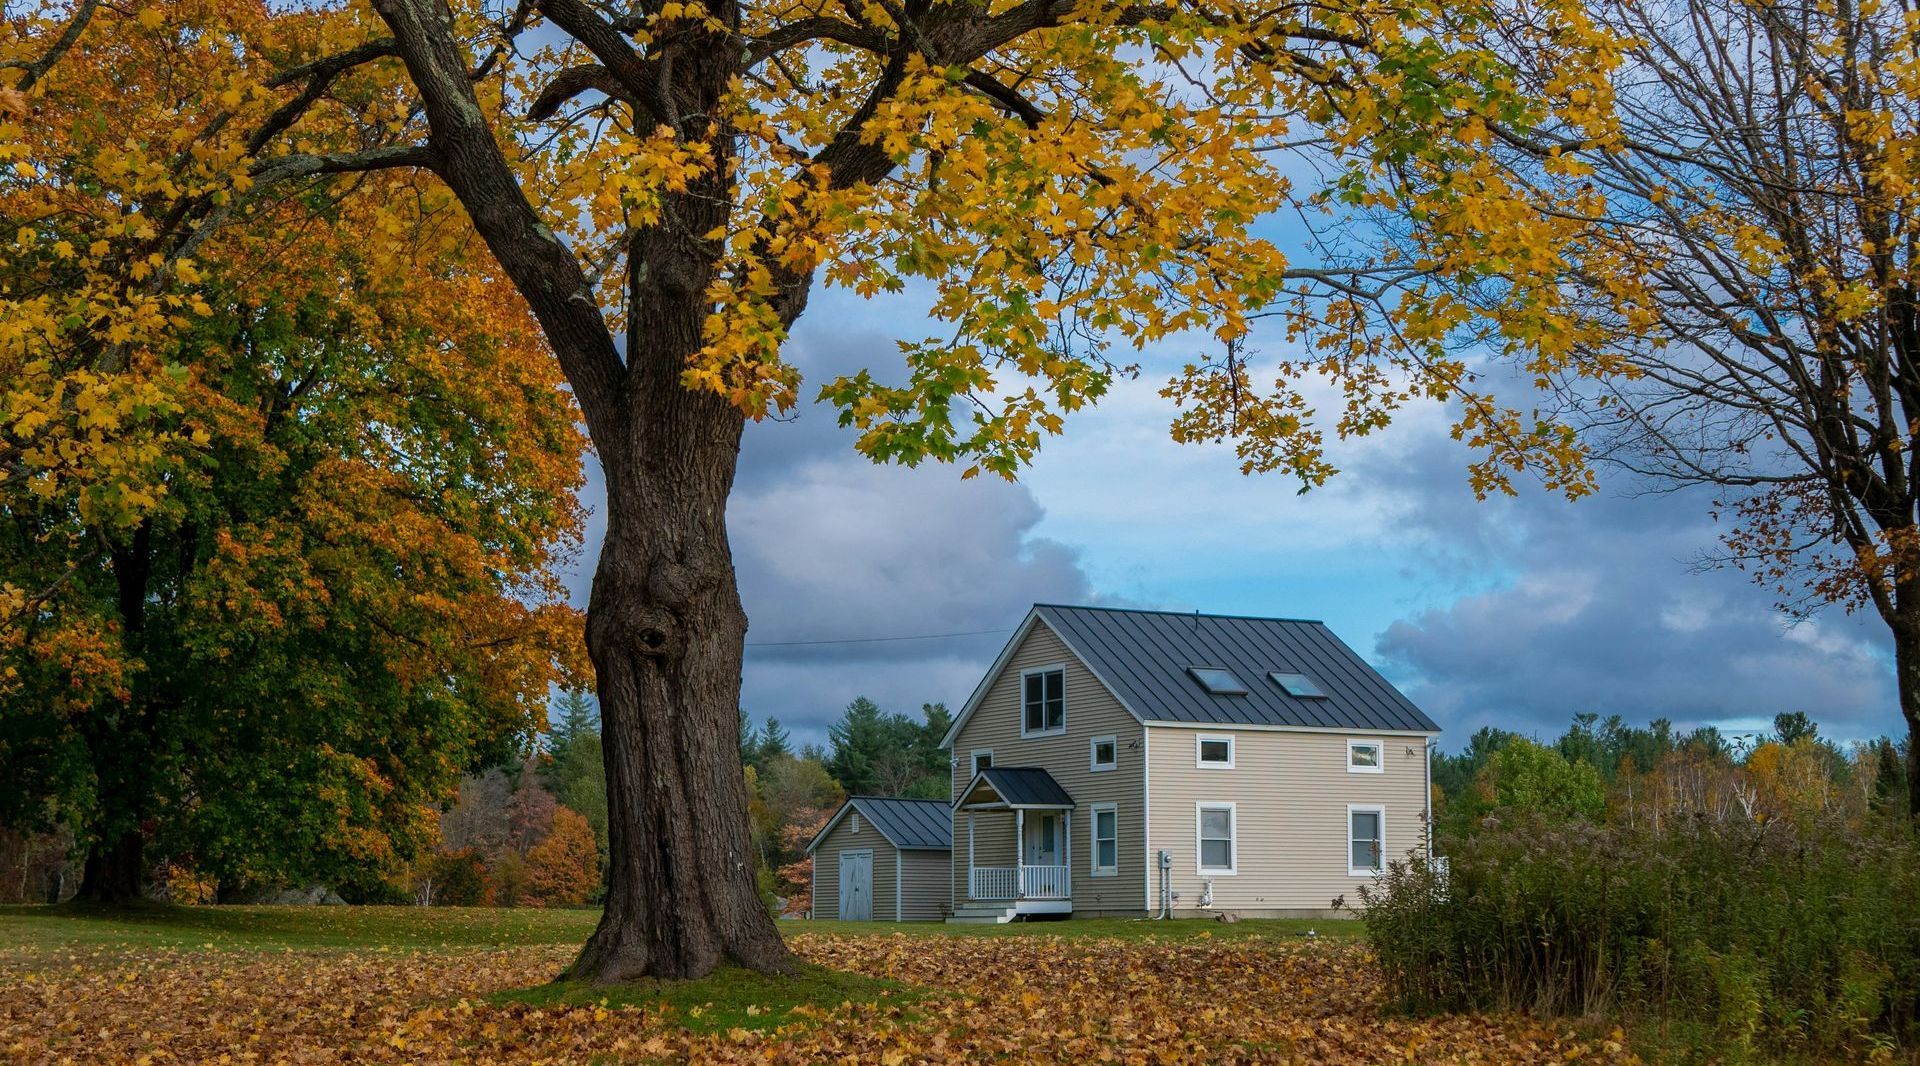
x,y
1043,882
1019,882
994,882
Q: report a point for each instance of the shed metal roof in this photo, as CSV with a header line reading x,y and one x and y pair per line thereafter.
x,y
913,824
1145,656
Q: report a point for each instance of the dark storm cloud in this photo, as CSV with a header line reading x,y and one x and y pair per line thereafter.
x,y
1604,605
831,546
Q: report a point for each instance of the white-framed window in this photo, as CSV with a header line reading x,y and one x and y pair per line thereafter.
x,y
1366,757
1103,753
1216,842
1366,839
982,759
1043,701
1213,751
853,822
1105,840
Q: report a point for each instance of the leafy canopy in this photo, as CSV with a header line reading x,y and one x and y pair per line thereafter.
x,y
1070,187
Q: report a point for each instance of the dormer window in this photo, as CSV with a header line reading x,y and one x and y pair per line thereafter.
x,y
1043,701
1298,685
1217,681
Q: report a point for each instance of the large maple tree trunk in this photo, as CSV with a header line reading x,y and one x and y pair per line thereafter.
x,y
665,629
120,748
664,624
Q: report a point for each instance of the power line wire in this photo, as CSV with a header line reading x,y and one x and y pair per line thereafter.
x,y
869,640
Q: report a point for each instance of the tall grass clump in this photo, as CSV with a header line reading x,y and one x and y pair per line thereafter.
x,y
1731,937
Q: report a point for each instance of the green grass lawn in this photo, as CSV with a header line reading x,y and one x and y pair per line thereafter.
x,y
427,928
280,928
1118,928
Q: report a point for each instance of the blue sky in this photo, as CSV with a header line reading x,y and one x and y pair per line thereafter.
x,y
1511,612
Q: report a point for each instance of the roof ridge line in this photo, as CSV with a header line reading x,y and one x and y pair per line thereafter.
x,y
1181,614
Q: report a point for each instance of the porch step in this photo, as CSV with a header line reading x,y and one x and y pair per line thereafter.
x,y
978,913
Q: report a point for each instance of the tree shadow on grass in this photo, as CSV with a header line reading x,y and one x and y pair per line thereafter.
x,y
728,998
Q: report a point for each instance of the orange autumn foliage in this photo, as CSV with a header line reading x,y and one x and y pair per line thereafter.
x,y
564,869
314,438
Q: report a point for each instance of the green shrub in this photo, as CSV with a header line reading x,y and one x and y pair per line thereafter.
x,y
1792,936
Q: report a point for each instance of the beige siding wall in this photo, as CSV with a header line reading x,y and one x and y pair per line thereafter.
x,y
1290,792
1091,712
826,868
925,894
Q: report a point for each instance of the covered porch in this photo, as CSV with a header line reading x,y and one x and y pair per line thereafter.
x,y
1019,840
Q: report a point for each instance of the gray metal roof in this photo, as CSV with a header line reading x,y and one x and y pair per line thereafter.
x,y
909,823
1144,656
1023,786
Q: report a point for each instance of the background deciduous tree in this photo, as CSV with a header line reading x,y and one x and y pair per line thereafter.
x,y
1738,302
564,869
284,472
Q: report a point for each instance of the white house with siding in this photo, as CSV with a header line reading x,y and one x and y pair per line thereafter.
x,y
1124,762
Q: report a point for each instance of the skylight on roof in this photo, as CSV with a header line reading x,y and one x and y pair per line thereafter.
x,y
1217,681
1298,685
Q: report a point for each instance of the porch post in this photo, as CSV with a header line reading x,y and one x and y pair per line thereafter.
x,y
1066,853
969,854
1019,853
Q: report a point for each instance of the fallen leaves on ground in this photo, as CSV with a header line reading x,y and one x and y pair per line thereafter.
x,y
1000,999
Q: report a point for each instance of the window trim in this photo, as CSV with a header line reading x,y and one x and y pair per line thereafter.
x,y
1200,741
853,822
1061,668
1381,811
973,761
1094,869
1200,868
1379,756
1094,765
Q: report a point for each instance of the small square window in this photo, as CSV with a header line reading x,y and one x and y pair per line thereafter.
x,y
1103,753
1213,752
1298,685
982,760
1365,757
1217,681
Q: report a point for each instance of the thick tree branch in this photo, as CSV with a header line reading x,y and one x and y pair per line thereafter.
x,y
588,77
37,69
643,78
470,161
285,167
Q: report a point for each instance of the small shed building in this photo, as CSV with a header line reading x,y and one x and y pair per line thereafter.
x,y
886,859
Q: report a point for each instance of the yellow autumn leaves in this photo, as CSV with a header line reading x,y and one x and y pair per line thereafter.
x,y
1025,998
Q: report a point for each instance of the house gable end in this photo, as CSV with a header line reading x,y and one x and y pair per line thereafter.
x,y
1006,657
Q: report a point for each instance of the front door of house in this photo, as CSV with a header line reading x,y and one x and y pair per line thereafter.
x,y
856,886
1043,840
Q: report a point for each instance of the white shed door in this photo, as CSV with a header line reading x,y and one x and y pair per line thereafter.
x,y
856,886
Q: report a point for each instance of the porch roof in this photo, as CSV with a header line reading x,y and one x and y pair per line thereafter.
x,y
1014,787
